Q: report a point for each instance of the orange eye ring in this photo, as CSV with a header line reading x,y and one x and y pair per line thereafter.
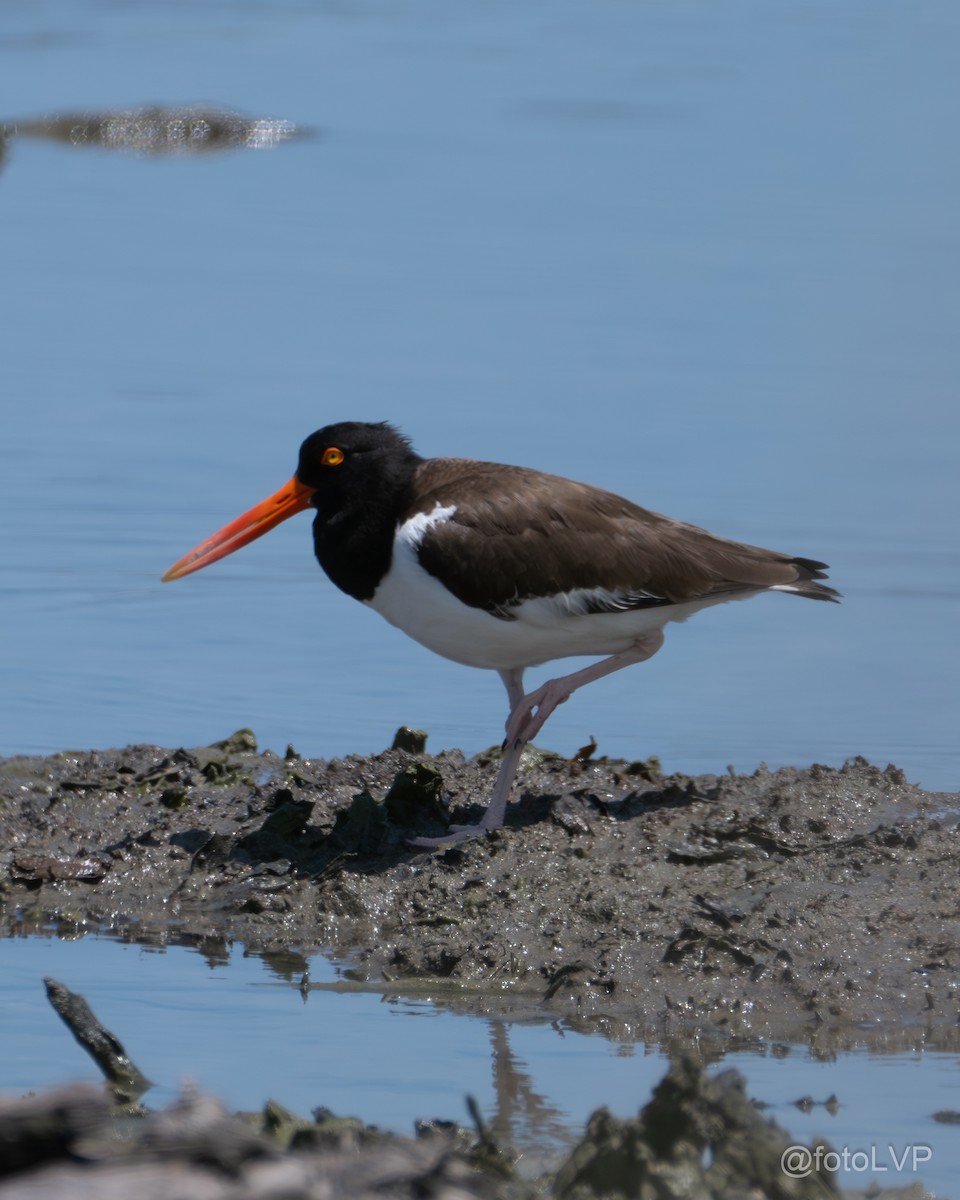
x,y
332,457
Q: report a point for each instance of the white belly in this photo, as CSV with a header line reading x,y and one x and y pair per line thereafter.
x,y
542,629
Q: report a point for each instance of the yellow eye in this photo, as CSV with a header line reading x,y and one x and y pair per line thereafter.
x,y
332,457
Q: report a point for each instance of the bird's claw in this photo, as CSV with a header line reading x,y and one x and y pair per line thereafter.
x,y
454,835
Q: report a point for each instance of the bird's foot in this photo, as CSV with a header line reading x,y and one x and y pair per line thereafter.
x,y
493,817
454,835
528,718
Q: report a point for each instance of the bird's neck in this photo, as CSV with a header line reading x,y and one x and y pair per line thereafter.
x,y
353,536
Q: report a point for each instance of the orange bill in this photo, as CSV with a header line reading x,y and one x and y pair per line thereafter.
x,y
292,498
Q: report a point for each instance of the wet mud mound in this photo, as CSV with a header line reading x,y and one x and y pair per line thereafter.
x,y
791,904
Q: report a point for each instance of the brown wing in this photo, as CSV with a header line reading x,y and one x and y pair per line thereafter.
x,y
519,533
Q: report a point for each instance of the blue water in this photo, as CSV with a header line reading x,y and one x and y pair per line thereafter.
x,y
704,255
236,1028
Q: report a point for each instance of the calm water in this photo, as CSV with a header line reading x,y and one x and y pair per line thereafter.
x,y
706,255
237,1028
703,254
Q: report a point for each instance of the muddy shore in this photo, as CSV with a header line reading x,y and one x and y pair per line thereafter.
x,y
818,906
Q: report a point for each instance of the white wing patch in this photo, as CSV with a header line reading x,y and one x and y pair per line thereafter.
x,y
412,532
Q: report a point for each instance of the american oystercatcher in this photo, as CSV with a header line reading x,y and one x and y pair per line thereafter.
x,y
504,567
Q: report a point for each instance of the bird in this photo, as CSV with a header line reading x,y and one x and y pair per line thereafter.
x,y
504,567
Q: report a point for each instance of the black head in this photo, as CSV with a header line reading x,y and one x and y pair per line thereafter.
x,y
360,476
354,458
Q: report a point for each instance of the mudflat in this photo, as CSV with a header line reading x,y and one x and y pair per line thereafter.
x,y
818,905
780,904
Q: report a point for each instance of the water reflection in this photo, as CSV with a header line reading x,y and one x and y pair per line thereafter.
x,y
157,130
244,1037
523,1113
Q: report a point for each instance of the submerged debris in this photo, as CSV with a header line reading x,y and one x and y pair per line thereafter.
x,y
156,129
698,1137
126,1079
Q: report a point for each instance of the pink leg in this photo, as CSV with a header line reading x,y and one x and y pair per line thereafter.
x,y
529,715
497,805
513,682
